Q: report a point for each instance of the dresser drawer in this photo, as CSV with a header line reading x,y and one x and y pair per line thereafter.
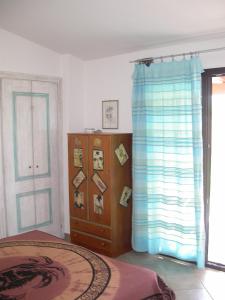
x,y
92,243
90,228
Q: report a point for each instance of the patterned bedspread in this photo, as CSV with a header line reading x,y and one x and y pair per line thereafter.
x,y
38,266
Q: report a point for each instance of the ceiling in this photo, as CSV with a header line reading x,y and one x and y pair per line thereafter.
x,y
90,29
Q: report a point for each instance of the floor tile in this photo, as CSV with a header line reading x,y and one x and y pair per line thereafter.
x,y
188,282
184,282
214,283
199,294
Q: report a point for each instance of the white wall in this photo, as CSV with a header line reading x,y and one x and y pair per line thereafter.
x,y
111,78
22,56
108,79
73,115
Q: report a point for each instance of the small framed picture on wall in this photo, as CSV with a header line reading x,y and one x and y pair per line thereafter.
x,y
110,114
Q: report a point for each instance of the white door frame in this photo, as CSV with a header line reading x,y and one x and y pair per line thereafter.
x,y
3,222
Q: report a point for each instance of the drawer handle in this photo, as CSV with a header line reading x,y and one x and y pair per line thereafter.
x,y
102,244
102,230
75,235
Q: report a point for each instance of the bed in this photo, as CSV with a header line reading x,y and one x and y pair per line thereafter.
x,y
39,266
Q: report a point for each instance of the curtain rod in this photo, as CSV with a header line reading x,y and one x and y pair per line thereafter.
x,y
151,59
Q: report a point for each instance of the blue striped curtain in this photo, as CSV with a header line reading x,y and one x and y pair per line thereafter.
x,y
168,212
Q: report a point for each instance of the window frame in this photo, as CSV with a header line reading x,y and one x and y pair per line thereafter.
x,y
206,135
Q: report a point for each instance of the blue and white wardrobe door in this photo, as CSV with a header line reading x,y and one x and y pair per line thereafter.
x,y
17,153
46,156
41,134
22,135
30,156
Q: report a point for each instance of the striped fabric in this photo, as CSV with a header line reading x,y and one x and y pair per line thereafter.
x,y
168,212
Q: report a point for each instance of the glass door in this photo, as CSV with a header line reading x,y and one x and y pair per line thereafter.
x,y
213,126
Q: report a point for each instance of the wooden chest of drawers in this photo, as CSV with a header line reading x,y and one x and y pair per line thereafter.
x,y
98,218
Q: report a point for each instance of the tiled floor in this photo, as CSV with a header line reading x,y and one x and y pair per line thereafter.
x,y
188,282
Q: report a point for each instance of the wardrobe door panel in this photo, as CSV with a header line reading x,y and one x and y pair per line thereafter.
x,y
25,211
99,179
40,109
78,164
18,177
22,135
46,138
43,206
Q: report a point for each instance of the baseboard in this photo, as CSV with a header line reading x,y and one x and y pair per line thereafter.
x,y
67,237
